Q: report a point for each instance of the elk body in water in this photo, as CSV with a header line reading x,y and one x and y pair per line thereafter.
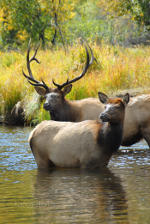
x,y
86,144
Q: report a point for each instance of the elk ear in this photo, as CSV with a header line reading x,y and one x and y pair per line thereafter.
x,y
102,97
126,98
67,89
41,91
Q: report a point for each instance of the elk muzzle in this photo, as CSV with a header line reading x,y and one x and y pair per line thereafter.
x,y
46,106
105,117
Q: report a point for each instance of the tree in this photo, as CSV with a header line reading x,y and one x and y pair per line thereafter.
x,y
138,9
36,19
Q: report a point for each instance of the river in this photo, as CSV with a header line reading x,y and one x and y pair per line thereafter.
x,y
121,194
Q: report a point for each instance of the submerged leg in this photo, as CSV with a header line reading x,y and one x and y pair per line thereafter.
x,y
44,164
146,135
42,161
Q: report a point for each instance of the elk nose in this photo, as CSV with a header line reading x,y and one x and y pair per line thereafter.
x,y
46,106
104,117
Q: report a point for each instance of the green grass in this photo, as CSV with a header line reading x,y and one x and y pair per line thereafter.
x,y
117,69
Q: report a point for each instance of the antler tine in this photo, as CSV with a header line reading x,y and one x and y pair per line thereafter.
x,y
92,56
30,78
39,84
34,82
88,63
33,58
58,86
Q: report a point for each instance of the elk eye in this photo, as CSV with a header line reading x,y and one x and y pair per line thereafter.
x,y
56,97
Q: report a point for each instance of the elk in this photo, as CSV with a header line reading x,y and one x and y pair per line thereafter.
x,y
137,120
85,144
59,107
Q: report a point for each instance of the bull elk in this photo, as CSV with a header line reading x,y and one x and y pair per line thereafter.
x,y
59,107
86,144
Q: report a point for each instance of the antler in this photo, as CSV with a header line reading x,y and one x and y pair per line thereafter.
x,y
30,78
36,83
88,63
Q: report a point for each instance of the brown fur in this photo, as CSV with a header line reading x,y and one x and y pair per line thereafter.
x,y
137,120
115,101
61,109
86,144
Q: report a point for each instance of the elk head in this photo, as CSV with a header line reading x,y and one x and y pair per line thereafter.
x,y
113,108
55,101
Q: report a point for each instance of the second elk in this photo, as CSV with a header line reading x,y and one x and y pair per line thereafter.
x,y
59,107
137,120
86,144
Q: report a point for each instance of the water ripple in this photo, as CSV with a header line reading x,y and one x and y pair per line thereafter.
x,y
15,153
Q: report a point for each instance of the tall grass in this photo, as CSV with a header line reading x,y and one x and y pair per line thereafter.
x,y
116,69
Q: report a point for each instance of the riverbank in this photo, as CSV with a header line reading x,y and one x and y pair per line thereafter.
x,y
117,69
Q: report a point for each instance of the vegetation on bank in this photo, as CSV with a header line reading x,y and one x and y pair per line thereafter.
x,y
117,69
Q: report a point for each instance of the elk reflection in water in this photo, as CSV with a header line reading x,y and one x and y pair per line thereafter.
x,y
75,196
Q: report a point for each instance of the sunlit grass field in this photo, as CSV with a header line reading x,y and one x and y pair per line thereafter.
x,y
116,69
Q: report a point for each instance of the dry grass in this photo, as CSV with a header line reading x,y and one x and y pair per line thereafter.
x,y
116,69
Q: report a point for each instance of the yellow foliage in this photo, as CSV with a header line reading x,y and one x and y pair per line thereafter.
x,y
141,14
1,12
113,7
22,35
2,19
10,26
64,8
2,15
116,69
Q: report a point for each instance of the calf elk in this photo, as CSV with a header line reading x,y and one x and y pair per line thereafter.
x,y
61,109
86,144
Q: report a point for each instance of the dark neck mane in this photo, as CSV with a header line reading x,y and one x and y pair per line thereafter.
x,y
110,136
66,113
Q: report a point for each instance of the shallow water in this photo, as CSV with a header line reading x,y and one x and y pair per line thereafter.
x,y
121,194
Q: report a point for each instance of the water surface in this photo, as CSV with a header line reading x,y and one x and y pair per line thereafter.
x,y
121,194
